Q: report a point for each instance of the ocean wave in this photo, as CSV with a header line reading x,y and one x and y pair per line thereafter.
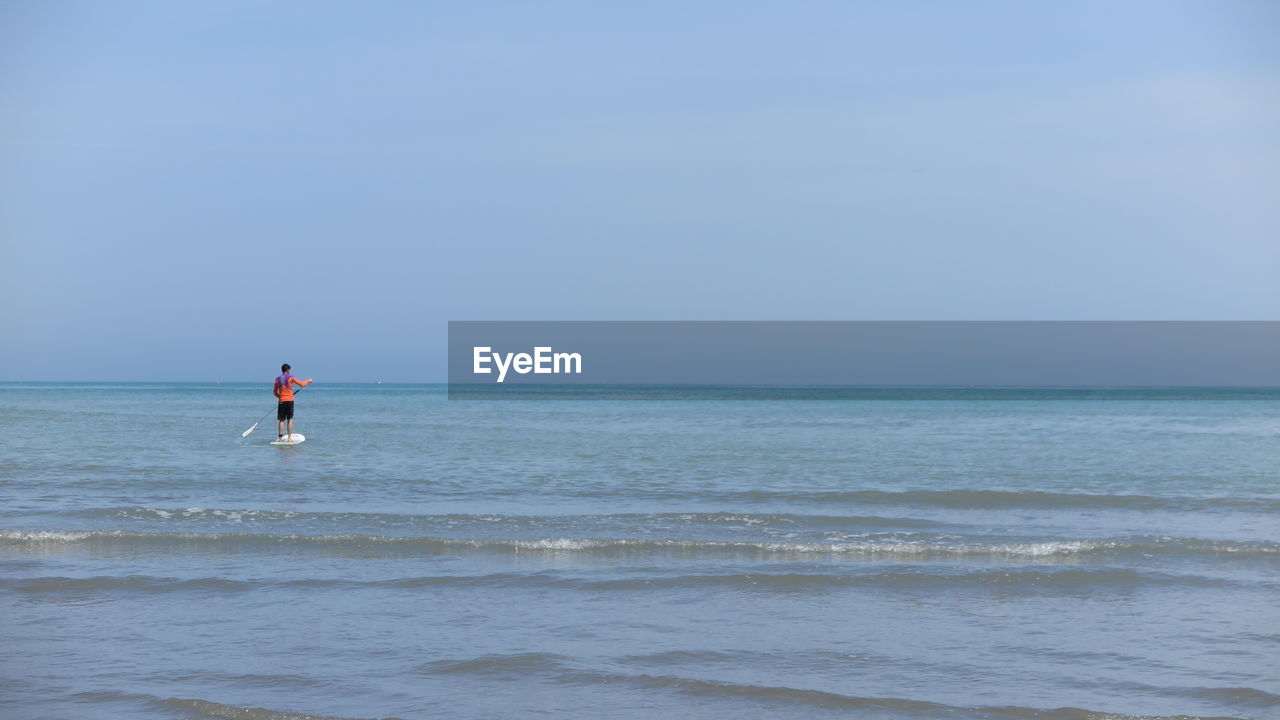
x,y
559,669
252,515
971,499
148,584
197,709
823,501
783,695
1005,580
427,545
108,583
1002,499
207,709
518,663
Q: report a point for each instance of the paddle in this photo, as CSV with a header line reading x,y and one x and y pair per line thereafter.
x,y
264,417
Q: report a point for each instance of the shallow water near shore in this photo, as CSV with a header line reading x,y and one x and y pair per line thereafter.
x,y
877,554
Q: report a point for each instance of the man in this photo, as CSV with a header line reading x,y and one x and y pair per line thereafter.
x,y
284,397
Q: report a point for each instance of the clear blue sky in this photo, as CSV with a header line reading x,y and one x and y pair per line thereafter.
x,y
204,190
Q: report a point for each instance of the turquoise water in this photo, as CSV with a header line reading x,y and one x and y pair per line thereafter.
x,y
732,553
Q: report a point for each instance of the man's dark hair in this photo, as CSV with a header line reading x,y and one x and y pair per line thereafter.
x,y
284,367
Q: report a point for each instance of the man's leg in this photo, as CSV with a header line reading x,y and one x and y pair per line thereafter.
x,y
290,428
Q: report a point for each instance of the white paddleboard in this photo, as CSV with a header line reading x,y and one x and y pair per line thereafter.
x,y
293,439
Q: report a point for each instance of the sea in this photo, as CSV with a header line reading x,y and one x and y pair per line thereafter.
x,y
882,553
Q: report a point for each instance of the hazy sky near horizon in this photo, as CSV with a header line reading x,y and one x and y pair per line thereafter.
x,y
205,190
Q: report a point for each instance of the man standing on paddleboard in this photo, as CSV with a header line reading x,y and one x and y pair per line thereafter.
x,y
284,396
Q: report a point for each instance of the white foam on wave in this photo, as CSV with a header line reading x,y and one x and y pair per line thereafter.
x,y
196,513
586,544
47,535
428,544
1041,549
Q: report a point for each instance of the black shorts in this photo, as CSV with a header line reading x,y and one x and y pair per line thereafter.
x,y
284,411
